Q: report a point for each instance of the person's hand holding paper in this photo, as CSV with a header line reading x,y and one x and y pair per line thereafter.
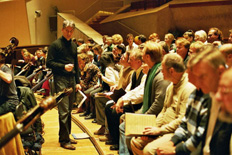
x,y
152,130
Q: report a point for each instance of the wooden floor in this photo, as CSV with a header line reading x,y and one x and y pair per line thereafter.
x,y
84,146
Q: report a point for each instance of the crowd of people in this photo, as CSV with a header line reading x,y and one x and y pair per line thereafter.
x,y
185,81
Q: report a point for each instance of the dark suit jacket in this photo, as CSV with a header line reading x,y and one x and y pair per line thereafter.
x,y
220,142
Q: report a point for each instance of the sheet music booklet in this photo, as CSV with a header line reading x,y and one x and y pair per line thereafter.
x,y
135,123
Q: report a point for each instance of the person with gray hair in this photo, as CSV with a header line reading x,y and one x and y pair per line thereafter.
x,y
200,35
173,111
188,137
169,39
208,65
224,96
62,59
226,50
195,48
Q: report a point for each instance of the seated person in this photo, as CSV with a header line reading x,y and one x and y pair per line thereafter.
x,y
170,39
100,101
215,36
136,85
131,45
195,48
188,136
89,72
208,65
97,49
226,50
169,118
224,96
89,76
154,37
28,63
8,94
189,35
182,48
155,89
40,58
108,77
201,36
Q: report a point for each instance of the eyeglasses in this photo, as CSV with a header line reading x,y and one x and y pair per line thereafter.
x,y
71,31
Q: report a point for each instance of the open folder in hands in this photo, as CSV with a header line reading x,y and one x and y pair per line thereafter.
x,y
115,95
135,123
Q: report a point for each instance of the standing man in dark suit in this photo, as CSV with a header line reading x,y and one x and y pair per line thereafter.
x,y
62,59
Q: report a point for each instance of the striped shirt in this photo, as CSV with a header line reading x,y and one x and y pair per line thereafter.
x,y
193,126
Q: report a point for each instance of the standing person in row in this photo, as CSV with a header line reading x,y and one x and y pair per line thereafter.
x,y
62,59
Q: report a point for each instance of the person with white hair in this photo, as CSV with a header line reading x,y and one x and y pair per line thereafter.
x,y
200,35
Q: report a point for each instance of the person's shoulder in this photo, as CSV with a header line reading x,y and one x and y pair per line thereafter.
x,y
5,68
158,73
74,44
189,87
57,41
92,66
159,80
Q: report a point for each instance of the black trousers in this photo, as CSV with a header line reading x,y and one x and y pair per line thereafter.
x,y
8,106
65,106
90,103
113,119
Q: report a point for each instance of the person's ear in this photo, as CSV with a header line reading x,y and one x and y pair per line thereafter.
x,y
221,69
148,56
171,70
229,56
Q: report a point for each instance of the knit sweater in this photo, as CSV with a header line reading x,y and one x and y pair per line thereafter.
x,y
174,105
60,53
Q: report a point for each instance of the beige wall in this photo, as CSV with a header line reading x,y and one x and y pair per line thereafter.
x,y
197,18
40,28
82,30
18,18
14,23
167,19
159,22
